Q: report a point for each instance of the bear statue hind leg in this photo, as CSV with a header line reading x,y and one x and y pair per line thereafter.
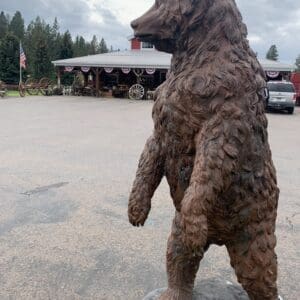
x,y
255,264
182,266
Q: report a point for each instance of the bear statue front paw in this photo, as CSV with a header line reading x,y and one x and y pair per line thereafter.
x,y
137,215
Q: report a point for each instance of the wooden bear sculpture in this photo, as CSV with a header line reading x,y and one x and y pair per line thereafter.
x,y
210,141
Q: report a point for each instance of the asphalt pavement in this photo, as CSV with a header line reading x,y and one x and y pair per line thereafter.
x,y
66,170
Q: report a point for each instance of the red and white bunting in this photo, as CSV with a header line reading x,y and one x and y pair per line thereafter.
x,y
69,69
108,70
126,70
272,74
150,71
85,69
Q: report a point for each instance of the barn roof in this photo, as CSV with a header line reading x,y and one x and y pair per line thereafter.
x,y
271,65
145,59
123,59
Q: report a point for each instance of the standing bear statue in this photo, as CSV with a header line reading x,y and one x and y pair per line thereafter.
x,y
210,141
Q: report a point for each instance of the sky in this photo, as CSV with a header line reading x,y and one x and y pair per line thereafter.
x,y
269,21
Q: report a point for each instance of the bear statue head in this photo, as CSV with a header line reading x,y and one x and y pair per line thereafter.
x,y
171,24
161,24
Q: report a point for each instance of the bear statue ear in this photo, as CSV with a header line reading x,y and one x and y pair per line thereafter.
x,y
186,6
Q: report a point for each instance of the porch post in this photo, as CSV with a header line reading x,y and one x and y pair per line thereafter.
x,y
58,77
97,83
85,75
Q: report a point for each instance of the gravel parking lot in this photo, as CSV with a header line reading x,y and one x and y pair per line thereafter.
x,y
66,169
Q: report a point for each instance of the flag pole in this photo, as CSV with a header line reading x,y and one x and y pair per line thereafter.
x,y
20,64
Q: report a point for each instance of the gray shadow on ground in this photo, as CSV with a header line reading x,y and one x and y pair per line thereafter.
x,y
43,205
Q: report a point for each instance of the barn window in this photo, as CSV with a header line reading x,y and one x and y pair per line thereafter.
x,y
147,45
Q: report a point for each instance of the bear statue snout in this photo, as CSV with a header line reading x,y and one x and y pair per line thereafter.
x,y
134,24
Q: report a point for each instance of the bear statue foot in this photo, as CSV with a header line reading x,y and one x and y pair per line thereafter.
x,y
175,294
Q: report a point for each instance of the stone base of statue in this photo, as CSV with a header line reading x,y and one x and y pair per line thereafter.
x,y
211,289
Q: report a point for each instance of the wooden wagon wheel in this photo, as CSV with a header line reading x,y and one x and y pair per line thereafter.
x,y
136,92
22,90
32,86
45,85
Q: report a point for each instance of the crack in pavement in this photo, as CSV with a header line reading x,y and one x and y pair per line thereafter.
x,y
45,188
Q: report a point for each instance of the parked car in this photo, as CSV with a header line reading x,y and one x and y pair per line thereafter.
x,y
282,96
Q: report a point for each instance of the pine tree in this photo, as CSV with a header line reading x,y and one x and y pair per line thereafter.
x,y
80,48
102,46
272,54
76,47
29,45
93,46
55,40
9,59
41,62
41,46
35,33
3,25
66,46
55,26
16,26
66,51
298,63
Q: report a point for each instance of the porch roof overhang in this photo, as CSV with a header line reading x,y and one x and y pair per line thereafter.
x,y
140,59
271,65
146,59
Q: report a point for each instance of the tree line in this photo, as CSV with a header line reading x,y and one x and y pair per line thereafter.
x,y
42,43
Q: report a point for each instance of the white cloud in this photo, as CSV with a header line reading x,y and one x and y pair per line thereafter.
x,y
125,11
254,39
274,22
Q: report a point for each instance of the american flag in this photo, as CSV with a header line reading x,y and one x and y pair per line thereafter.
x,y
22,58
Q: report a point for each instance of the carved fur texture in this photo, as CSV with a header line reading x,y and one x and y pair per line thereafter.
x,y
210,141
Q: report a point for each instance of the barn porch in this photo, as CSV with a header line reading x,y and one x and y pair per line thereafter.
x,y
129,74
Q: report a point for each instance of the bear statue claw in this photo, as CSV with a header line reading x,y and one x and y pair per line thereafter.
x,y
137,216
